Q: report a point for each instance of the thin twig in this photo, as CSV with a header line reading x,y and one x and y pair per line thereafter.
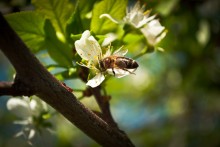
x,y
103,102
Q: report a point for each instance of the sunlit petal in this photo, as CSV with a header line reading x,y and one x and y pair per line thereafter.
x,y
81,64
109,17
110,37
155,27
19,107
153,32
87,47
20,133
31,134
137,17
96,81
161,36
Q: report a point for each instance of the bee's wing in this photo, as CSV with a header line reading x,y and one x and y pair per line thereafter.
x,y
120,52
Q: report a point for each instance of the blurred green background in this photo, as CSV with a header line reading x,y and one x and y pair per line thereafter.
x,y
174,98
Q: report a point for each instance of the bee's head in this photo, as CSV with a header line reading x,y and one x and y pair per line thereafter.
x,y
135,64
101,64
104,64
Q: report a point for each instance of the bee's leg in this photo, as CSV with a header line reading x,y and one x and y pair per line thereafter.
x,y
113,71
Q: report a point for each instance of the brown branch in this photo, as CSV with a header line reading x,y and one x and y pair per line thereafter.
x,y
6,88
16,88
36,78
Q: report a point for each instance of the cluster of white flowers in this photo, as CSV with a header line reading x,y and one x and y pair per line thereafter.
x,y
141,19
25,109
90,51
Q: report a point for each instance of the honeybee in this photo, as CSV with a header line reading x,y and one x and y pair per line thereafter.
x,y
118,62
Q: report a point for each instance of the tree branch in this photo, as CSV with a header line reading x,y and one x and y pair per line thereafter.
x,y
6,88
14,89
39,81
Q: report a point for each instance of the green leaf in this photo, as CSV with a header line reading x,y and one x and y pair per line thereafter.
x,y
115,8
81,17
85,6
30,27
38,35
58,11
166,7
74,24
59,51
65,75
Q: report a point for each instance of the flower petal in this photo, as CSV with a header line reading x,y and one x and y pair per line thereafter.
x,y
31,134
82,64
37,106
96,81
109,17
88,47
155,27
19,107
110,37
137,17
153,32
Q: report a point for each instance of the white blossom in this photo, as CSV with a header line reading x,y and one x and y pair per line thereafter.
x,y
153,32
19,107
141,19
137,16
89,50
25,109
